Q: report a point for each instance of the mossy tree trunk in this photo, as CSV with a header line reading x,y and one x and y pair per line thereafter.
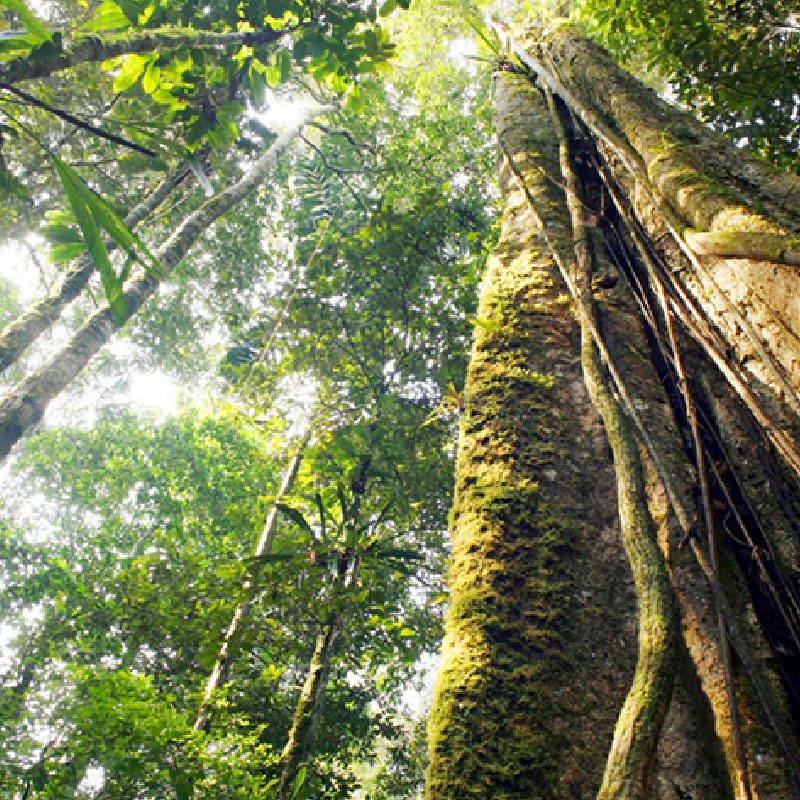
x,y
689,351
25,404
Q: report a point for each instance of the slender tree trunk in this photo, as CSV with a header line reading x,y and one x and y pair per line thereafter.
x,y
309,706
230,642
608,226
302,734
22,332
99,48
26,403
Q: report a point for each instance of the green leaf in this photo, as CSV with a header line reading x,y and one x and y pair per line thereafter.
x,y
108,17
342,500
258,88
181,784
65,252
299,780
131,9
152,78
110,221
9,184
37,33
296,517
59,233
48,49
78,196
132,68
285,65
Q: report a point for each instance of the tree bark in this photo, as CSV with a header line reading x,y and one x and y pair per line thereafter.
x,y
746,214
22,332
309,706
540,643
25,405
100,48
635,176
230,642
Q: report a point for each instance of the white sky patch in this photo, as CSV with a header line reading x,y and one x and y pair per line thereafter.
x,y
155,391
17,267
280,112
93,780
416,697
463,53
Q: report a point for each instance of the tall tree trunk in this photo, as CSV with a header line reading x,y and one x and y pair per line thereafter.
x,y
26,403
538,588
230,642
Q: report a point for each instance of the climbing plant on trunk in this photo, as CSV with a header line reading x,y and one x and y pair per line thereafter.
x,y
639,245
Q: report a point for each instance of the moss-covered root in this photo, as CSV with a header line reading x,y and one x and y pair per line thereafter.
x,y
631,760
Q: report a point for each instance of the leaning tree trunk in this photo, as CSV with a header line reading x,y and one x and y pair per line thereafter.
x,y
25,405
539,652
22,332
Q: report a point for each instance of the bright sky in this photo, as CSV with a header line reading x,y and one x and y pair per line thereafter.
x,y
151,391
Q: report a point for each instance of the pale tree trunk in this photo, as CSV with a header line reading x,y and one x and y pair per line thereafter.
x,y
230,642
22,332
538,588
26,403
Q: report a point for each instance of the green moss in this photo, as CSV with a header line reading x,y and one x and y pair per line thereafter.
x,y
493,731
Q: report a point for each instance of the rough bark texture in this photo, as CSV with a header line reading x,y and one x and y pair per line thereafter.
x,y
680,176
540,644
518,689
629,769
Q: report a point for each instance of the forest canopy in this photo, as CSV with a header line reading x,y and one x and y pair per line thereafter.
x,y
262,294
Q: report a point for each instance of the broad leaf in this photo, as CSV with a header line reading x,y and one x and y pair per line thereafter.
x,y
78,196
